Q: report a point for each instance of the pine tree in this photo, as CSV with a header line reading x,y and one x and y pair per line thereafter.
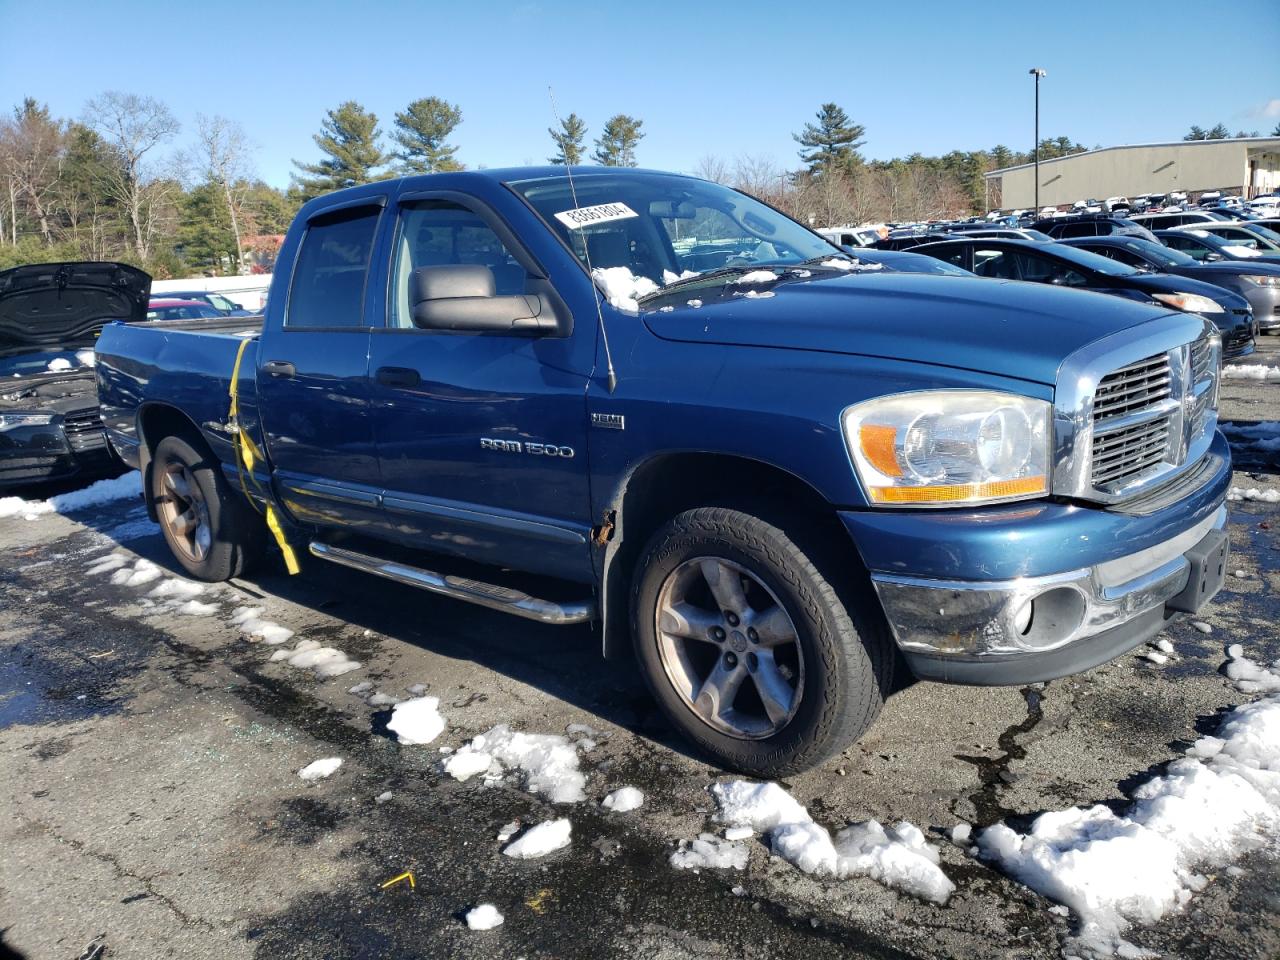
x,y
1276,131
616,146
421,132
833,142
1220,132
1196,133
568,140
349,137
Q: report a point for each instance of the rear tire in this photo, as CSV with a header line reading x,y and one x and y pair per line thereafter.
x,y
749,649
210,528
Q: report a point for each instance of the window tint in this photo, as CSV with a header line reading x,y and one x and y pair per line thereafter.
x,y
1121,254
994,263
953,255
328,281
438,233
1077,230
1043,270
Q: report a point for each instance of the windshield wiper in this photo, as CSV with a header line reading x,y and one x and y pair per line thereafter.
x,y
710,275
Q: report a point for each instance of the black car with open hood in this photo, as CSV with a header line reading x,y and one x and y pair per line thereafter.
x,y
50,317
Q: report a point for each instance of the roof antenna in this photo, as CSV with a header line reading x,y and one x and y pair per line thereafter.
x,y
611,377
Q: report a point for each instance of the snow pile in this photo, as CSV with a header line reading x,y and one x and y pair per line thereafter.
x,y
251,624
897,857
144,571
94,495
417,721
669,277
58,364
1251,677
622,287
709,852
1263,436
624,800
1253,493
1250,371
484,917
548,763
756,277
319,769
326,662
540,840
1114,870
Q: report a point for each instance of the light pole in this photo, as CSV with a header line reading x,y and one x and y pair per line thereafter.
x,y
1037,72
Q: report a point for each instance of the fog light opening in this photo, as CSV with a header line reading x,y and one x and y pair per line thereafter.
x,y
1049,619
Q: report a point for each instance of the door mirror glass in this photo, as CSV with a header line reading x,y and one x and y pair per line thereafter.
x,y
462,297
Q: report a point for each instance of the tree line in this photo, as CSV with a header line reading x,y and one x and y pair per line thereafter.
x,y
112,185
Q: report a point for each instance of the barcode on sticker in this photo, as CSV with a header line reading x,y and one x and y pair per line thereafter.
x,y
590,216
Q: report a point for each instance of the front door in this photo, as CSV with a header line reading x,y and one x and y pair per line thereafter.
x,y
313,386
481,438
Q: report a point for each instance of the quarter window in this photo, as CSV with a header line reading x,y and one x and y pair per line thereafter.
x,y
329,279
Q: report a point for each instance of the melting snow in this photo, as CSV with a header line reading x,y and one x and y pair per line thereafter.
x,y
897,856
319,769
310,655
144,571
756,276
711,853
417,721
622,287
1253,493
251,624
1251,677
851,264
112,561
194,608
58,364
540,840
484,917
624,800
1113,870
1250,371
176,589
96,494
548,763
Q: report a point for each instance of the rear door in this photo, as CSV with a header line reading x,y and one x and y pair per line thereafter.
x,y
481,437
313,385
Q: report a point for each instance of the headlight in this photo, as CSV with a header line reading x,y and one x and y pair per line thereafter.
x,y
11,421
948,447
1190,302
1262,281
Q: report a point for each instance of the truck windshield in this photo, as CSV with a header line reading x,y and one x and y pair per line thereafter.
x,y
667,228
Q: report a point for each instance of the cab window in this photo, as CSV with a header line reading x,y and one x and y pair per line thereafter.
x,y
328,280
440,233
997,264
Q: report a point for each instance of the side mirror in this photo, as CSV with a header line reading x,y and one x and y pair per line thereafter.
x,y
1211,257
462,297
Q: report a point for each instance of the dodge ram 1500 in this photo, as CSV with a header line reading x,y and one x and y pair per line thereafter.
x,y
641,400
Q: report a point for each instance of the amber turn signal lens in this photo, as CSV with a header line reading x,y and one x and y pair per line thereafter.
x,y
878,446
959,492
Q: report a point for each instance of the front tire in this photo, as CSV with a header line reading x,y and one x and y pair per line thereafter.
x,y
749,649
210,529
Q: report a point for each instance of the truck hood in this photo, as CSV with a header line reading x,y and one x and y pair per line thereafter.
x,y
1019,330
64,305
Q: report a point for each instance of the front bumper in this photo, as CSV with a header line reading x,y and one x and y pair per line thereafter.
x,y
1010,596
1266,306
66,448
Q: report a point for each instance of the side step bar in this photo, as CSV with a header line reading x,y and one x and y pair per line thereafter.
x,y
460,588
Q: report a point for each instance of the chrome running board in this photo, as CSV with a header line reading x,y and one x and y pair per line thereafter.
x,y
460,588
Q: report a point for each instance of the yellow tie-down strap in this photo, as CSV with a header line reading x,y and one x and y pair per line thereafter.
x,y
247,454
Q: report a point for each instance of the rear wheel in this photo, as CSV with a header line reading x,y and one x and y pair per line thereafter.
x,y
210,529
749,649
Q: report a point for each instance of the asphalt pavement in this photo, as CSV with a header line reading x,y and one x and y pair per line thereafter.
x,y
151,803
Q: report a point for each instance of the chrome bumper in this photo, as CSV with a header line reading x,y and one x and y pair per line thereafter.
x,y
1000,620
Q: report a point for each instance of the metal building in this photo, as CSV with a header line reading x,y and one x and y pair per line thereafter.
x,y
1248,166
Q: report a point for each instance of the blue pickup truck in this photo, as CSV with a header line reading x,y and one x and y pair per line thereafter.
x,y
773,474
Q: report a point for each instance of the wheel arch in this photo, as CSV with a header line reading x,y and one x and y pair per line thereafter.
x,y
668,484
155,422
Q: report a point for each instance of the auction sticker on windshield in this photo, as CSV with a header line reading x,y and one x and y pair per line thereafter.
x,y
600,213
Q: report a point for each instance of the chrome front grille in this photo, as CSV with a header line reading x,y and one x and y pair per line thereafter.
x,y
1148,414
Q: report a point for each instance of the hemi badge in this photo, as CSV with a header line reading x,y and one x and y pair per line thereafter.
x,y
611,421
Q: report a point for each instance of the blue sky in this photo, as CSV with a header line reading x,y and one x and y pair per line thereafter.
x,y
727,78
